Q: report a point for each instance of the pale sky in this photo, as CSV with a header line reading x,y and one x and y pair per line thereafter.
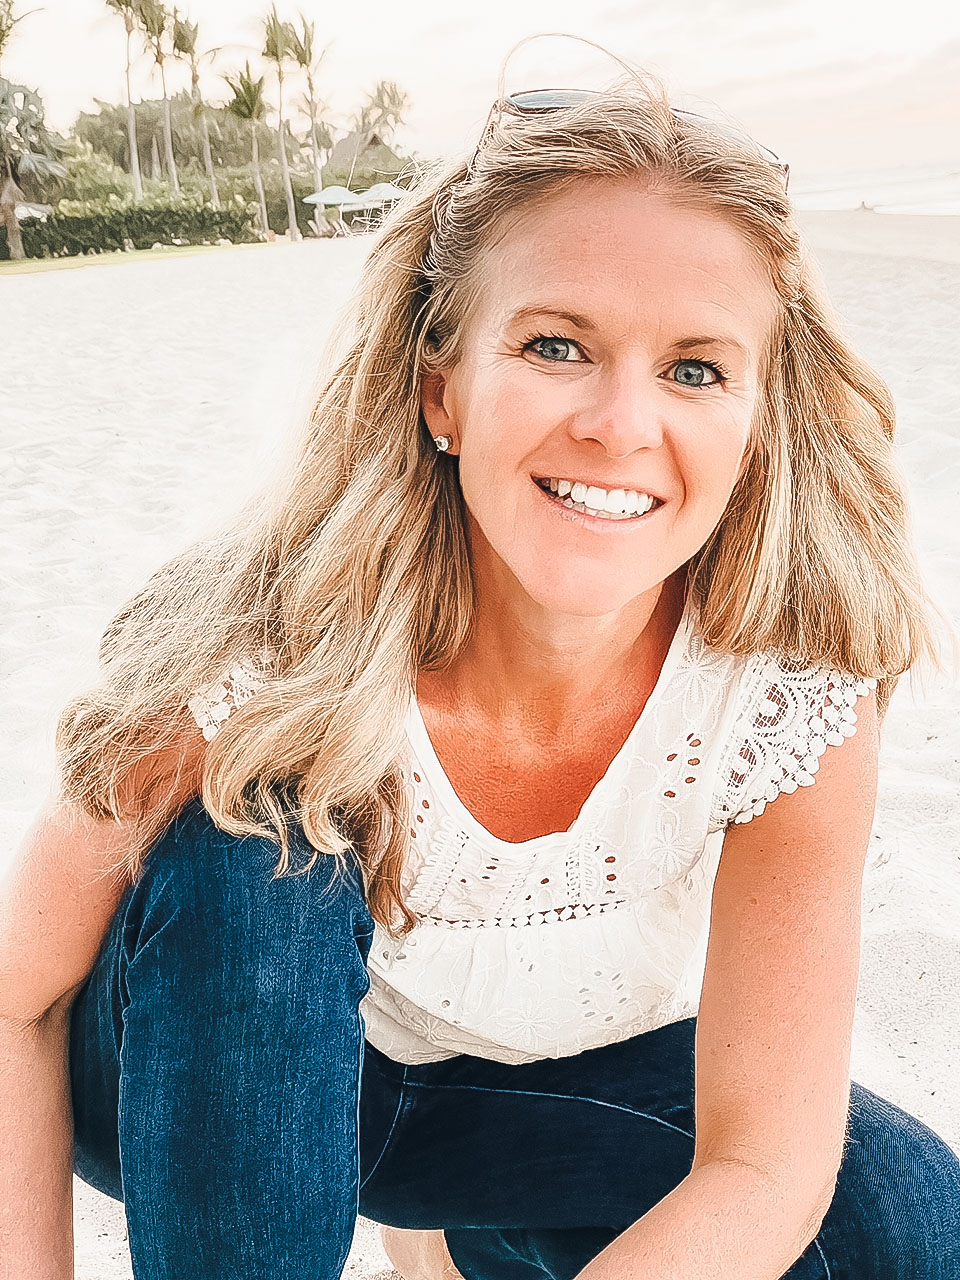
x,y
830,85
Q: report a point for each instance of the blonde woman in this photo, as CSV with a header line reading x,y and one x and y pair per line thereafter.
x,y
537,710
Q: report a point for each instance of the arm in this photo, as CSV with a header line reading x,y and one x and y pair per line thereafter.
x,y
54,909
773,1036
56,902
36,1149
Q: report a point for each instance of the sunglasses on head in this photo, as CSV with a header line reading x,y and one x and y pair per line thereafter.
x,y
534,102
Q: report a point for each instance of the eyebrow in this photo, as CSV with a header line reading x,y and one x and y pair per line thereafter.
x,y
588,326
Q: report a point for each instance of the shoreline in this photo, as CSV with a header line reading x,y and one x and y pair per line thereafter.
x,y
931,236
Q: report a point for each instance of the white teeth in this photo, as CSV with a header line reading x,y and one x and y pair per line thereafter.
x,y
618,503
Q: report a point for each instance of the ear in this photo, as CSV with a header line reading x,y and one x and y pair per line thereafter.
x,y
434,399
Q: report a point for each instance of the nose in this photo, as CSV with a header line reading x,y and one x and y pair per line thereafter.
x,y
626,412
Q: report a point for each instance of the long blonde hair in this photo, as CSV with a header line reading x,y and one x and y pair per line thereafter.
x,y
352,570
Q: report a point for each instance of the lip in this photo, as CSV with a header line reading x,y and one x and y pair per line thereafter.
x,y
599,484
587,521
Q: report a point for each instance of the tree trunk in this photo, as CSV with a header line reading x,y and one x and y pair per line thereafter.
x,y
318,180
205,138
293,231
168,136
257,180
10,197
155,159
132,126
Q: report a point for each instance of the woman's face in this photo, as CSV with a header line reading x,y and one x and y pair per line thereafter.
x,y
616,345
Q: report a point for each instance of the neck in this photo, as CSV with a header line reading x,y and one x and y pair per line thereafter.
x,y
532,670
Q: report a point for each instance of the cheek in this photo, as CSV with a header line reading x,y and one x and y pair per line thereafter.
x,y
710,460
503,426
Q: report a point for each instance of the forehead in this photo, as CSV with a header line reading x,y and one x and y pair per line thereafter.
x,y
625,257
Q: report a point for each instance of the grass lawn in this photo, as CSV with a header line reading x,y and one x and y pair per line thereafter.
x,y
29,265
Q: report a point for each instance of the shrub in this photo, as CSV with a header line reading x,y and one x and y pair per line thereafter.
x,y
78,227
90,175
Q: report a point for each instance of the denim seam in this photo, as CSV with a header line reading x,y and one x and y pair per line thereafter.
x,y
563,1097
403,1103
826,1266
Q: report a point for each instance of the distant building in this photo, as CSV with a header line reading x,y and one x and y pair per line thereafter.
x,y
360,153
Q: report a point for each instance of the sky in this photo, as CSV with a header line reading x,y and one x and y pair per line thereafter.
x,y
833,86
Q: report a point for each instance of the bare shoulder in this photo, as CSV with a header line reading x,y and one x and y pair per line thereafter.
x,y
62,886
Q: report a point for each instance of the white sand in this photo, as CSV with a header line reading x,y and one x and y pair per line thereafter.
x,y
142,400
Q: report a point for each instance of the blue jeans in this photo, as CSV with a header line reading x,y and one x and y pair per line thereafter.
x,y
223,1091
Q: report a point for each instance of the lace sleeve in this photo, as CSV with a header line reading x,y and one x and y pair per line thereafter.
x,y
212,705
789,718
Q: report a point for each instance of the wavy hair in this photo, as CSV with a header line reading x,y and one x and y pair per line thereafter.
x,y
351,573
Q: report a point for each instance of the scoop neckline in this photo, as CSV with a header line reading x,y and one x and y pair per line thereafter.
x,y
430,765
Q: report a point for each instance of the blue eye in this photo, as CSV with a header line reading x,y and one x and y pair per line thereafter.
x,y
553,348
698,367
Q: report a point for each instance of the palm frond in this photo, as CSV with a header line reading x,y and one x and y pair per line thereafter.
x,y
247,102
279,38
155,20
184,36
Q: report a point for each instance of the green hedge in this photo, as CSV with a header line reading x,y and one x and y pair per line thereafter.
x,y
65,234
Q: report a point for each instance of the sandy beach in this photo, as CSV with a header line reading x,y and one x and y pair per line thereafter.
x,y
144,400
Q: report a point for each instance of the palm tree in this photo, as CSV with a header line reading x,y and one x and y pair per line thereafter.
x,y
155,21
302,51
279,38
383,110
248,104
127,9
27,150
185,46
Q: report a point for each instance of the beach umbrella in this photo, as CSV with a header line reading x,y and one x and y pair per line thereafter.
x,y
384,191
332,196
25,209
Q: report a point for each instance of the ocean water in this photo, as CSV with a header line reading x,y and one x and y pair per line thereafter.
x,y
900,190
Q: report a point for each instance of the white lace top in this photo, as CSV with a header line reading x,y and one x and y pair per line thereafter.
x,y
579,938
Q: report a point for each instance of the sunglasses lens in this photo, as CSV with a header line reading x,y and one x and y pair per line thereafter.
x,y
548,99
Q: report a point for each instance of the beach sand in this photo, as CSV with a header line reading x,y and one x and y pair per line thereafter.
x,y
144,400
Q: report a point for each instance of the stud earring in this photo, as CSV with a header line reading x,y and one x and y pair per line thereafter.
x,y
442,443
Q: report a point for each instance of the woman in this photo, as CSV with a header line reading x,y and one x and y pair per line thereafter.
x,y
591,567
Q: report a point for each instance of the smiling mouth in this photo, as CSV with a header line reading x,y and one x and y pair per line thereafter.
x,y
591,513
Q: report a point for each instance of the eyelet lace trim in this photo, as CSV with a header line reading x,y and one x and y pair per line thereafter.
x,y
577,911
792,715
212,705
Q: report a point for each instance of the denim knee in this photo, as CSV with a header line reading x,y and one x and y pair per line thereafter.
x,y
896,1207
215,1055
210,934
921,1208
214,877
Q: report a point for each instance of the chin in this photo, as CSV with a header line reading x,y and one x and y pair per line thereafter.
x,y
581,597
